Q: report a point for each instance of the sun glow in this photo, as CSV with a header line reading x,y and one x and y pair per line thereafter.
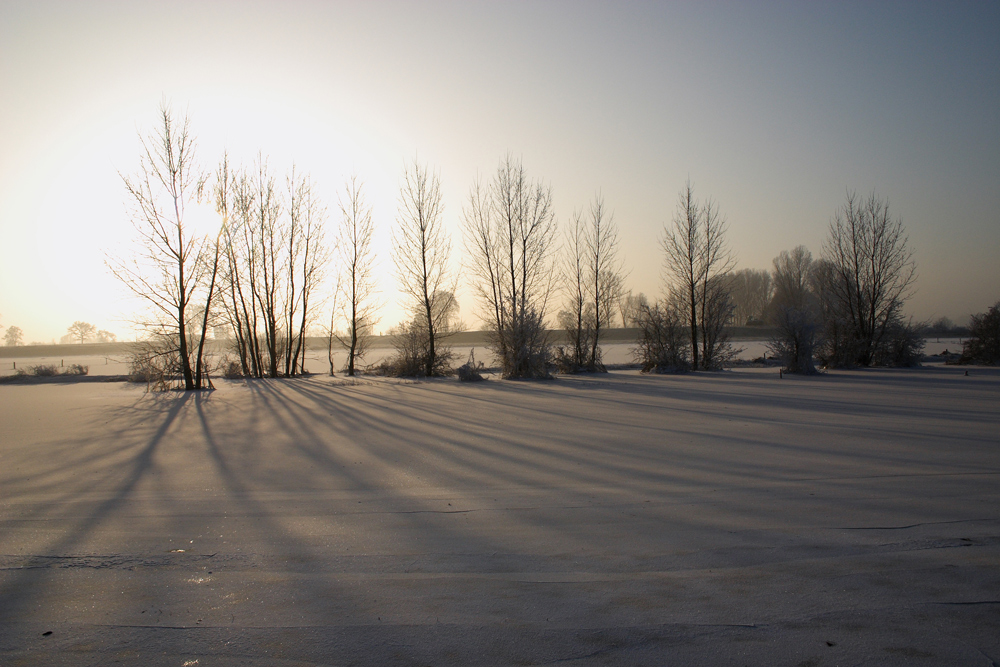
x,y
201,219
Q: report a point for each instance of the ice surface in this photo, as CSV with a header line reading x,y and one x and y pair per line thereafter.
x,y
710,518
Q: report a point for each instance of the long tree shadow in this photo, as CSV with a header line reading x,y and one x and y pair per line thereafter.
x,y
105,475
335,484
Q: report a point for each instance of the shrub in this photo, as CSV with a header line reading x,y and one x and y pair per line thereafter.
x,y
983,344
901,344
412,345
795,340
575,357
901,347
46,371
663,344
231,368
522,347
155,364
471,370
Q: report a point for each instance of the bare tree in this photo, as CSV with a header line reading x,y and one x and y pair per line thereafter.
x,y
307,255
716,303
81,331
751,294
509,232
577,321
168,271
793,278
717,313
606,272
266,211
682,246
421,250
104,336
210,259
272,253
357,282
253,239
593,277
233,203
14,336
698,260
794,311
869,275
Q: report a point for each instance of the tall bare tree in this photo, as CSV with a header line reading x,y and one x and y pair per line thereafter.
x,y
356,281
509,232
698,260
272,252
254,238
232,202
716,303
593,277
794,310
266,213
870,275
576,320
168,270
307,255
682,246
421,250
792,281
606,272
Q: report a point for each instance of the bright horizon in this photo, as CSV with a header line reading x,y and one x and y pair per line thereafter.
x,y
773,110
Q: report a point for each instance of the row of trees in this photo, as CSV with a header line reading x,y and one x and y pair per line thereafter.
x,y
848,306
264,266
82,332
845,307
257,277
260,276
260,273
265,273
78,332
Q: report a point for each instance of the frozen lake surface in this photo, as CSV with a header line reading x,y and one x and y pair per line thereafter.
x,y
317,362
711,518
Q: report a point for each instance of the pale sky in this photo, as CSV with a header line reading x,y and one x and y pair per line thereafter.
x,y
774,110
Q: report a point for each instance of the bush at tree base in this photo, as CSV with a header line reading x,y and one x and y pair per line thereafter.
x,y
795,340
663,343
901,344
522,348
412,345
471,370
983,345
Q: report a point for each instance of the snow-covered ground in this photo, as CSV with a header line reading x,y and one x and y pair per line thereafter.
x,y
710,518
